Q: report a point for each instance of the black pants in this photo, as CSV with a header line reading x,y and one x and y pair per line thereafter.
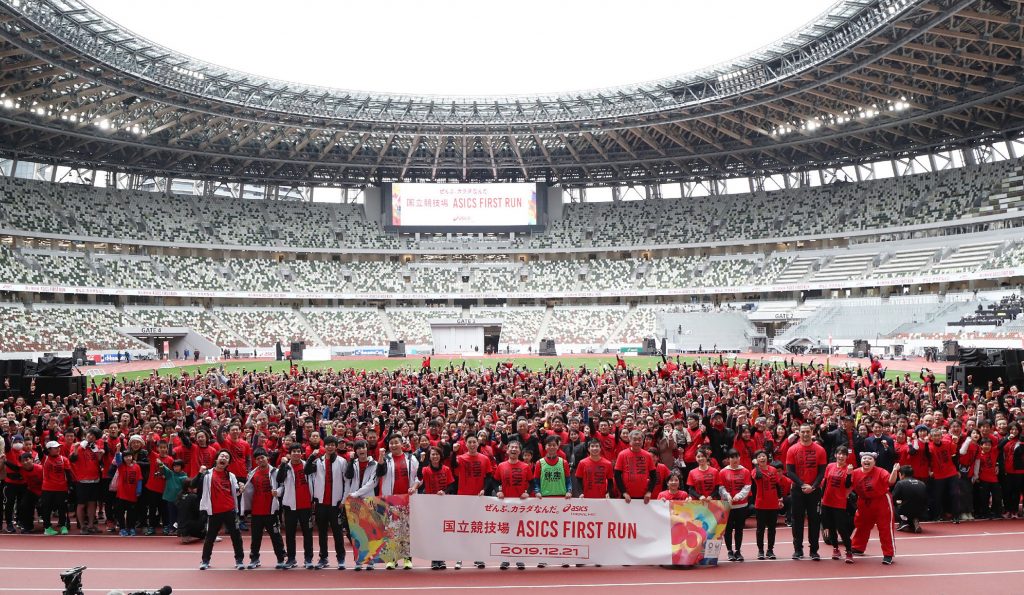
x,y
154,509
12,496
226,520
1011,492
51,502
806,505
329,516
766,520
988,499
125,513
910,512
294,519
734,528
27,504
941,491
838,521
272,525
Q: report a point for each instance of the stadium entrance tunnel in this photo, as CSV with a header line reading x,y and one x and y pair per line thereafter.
x,y
168,340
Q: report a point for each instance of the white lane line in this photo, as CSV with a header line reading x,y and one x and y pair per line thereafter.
x,y
228,567
196,546
518,586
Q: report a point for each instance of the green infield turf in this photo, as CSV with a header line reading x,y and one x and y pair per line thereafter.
x,y
413,364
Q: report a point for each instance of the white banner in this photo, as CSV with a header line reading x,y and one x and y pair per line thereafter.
x,y
553,530
463,205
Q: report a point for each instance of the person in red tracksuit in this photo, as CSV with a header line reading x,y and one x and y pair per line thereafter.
x,y
874,506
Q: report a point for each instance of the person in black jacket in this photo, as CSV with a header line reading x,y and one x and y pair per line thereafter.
x,y
911,497
720,438
845,435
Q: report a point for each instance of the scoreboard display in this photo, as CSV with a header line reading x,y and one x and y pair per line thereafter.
x,y
462,207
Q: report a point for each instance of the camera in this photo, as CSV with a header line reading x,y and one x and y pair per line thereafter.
x,y
73,580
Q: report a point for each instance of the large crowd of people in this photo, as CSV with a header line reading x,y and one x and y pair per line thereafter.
x,y
835,453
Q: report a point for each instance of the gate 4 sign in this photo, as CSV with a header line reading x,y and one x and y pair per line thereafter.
x,y
574,531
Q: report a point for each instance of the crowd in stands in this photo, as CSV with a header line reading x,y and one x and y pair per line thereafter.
x,y
760,435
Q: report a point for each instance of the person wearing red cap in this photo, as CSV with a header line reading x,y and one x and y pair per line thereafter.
x,y
874,506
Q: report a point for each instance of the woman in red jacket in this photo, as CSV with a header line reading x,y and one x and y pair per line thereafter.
x,y
834,517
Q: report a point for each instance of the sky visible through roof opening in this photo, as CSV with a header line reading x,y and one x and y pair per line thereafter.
x,y
464,47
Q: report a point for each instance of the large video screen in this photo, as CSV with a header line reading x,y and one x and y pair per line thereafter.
x,y
462,205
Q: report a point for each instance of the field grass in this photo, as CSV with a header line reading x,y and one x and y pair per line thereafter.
x,y
413,364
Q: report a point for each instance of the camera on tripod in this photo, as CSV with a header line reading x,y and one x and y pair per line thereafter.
x,y
73,580
73,584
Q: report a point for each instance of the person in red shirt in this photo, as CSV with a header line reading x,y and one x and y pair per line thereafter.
x,y
805,466
56,480
1013,477
297,500
735,488
327,472
702,480
28,498
219,488
87,468
985,477
513,478
673,492
260,496
767,502
436,478
472,472
834,516
196,454
127,487
917,453
874,506
154,508
241,451
594,474
943,486
635,470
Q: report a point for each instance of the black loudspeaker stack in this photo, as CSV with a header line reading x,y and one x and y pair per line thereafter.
x,y
396,349
297,348
547,347
650,347
950,351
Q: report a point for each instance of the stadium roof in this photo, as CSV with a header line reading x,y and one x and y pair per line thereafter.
x,y
871,79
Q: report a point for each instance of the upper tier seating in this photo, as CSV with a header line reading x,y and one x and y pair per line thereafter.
x,y
945,196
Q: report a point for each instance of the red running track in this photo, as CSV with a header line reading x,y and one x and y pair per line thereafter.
x,y
968,558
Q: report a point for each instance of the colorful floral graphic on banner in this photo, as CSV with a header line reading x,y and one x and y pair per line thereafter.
x,y
697,529
379,528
